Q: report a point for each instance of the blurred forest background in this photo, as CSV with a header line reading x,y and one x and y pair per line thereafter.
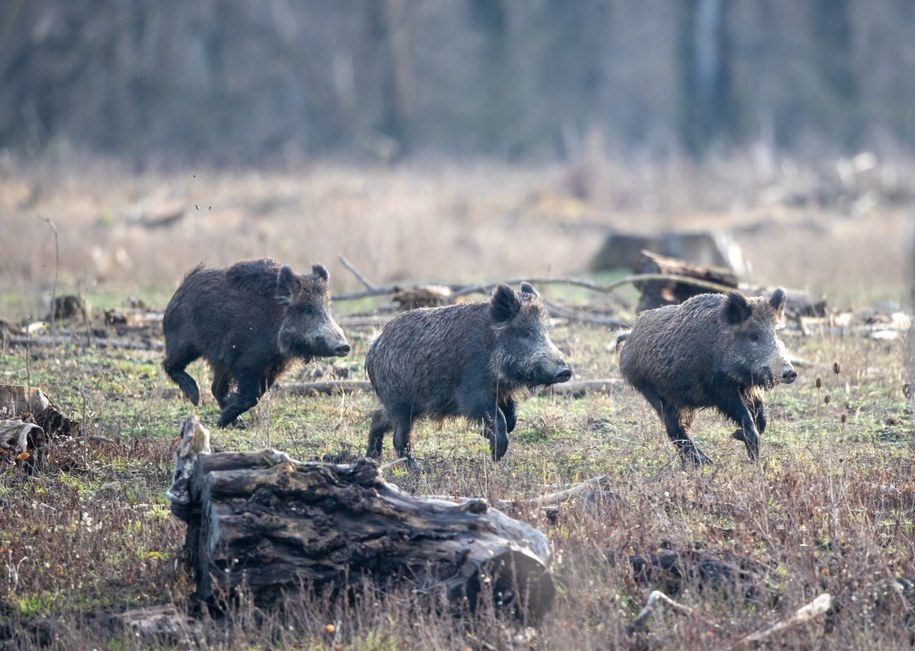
x,y
453,139
248,81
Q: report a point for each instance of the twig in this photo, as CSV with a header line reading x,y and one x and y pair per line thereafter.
x,y
548,499
595,287
581,387
362,279
561,496
560,311
483,288
98,342
326,387
805,614
653,599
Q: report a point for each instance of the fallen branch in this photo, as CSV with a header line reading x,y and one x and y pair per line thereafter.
x,y
547,499
805,614
325,387
561,496
654,599
577,314
352,269
579,388
335,387
125,343
459,289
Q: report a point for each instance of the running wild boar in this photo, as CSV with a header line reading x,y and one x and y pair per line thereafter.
x,y
714,350
248,321
472,360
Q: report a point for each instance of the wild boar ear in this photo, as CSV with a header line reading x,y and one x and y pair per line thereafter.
x,y
527,288
736,308
320,271
777,301
505,304
286,285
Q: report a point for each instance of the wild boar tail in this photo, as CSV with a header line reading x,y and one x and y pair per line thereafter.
x,y
620,340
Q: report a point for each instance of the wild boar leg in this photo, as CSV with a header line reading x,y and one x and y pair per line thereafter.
x,y
251,387
220,386
676,422
509,411
175,363
380,426
758,410
495,429
402,446
747,417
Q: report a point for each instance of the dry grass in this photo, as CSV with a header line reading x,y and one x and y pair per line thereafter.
x,y
831,507
439,221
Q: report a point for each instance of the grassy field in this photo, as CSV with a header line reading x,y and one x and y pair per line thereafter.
x,y
829,508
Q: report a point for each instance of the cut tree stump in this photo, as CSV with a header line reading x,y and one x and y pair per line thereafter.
x,y
269,524
656,293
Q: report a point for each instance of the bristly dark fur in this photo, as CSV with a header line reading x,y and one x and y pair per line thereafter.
x,y
470,361
713,350
248,322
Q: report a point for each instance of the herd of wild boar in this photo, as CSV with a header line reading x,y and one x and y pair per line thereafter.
x,y
472,360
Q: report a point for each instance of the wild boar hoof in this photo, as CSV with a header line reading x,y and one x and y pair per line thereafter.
x,y
693,457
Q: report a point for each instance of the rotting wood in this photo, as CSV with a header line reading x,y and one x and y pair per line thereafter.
x,y
267,523
34,405
157,626
657,293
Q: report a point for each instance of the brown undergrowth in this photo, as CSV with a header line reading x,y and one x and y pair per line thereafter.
x,y
830,508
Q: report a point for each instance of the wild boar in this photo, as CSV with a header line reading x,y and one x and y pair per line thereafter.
x,y
471,360
714,350
248,321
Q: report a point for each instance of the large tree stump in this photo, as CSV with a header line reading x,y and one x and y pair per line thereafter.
x,y
656,293
266,523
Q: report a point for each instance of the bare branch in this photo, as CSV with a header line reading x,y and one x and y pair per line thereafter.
x,y
581,387
805,614
563,495
361,278
654,599
327,387
484,288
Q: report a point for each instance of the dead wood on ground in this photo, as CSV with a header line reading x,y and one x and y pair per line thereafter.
x,y
266,523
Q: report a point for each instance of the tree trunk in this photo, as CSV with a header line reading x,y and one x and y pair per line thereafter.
x,y
264,522
706,108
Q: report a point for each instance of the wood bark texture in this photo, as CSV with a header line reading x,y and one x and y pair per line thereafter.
x,y
266,523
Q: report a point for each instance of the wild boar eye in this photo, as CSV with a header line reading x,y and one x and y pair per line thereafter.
x,y
306,310
754,337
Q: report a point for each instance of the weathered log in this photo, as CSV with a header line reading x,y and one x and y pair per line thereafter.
x,y
657,293
82,341
324,387
266,523
623,250
30,418
579,388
